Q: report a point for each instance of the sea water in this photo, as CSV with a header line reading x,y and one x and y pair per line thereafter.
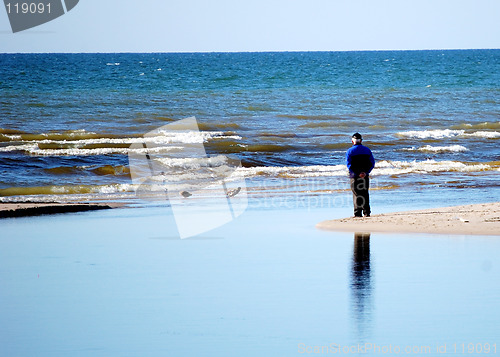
x,y
121,282
67,121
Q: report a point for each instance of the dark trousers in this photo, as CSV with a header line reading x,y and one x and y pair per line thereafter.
x,y
360,195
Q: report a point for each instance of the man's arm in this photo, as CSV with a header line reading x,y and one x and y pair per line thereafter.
x,y
348,161
372,161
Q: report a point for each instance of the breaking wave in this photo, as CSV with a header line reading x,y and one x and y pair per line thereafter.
x,y
430,166
196,172
437,149
446,133
84,143
381,168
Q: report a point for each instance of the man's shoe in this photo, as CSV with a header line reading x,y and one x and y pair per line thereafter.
x,y
367,215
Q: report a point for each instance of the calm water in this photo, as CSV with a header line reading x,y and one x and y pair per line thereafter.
x,y
119,283
431,117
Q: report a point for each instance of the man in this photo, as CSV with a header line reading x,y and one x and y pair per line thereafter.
x,y
360,162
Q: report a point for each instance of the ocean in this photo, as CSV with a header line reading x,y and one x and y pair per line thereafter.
x,y
431,118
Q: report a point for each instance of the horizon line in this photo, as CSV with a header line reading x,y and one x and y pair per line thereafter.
x,y
270,51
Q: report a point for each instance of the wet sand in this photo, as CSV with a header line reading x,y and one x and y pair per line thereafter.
x,y
22,209
478,219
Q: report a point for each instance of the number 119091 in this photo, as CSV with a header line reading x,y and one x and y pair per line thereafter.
x,y
474,348
27,8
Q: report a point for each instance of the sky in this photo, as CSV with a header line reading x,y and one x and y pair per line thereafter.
x,y
261,25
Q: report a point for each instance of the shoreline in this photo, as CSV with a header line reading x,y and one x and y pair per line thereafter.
x,y
28,209
476,219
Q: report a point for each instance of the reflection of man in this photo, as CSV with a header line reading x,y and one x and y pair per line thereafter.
x,y
361,285
360,162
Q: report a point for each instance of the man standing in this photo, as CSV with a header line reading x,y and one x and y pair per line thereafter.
x,y
360,162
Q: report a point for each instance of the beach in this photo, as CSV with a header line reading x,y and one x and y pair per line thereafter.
x,y
258,278
478,219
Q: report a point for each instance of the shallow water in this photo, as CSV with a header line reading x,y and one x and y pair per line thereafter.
x,y
120,282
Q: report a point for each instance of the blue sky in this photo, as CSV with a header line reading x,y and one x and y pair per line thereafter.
x,y
261,25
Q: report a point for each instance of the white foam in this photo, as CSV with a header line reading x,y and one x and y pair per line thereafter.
x,y
70,134
101,151
431,134
294,171
33,149
485,134
25,147
194,163
192,176
116,188
191,137
13,137
125,195
160,143
437,149
446,133
427,166
381,168
77,132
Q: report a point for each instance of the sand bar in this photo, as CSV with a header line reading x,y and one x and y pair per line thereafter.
x,y
478,219
22,209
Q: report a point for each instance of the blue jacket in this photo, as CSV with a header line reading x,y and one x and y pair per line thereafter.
x,y
359,159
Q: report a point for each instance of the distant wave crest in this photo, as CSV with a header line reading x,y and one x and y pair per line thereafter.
x,y
446,133
438,149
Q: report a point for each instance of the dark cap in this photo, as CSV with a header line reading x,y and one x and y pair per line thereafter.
x,y
357,136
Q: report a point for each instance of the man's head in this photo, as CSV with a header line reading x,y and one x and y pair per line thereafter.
x,y
357,138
